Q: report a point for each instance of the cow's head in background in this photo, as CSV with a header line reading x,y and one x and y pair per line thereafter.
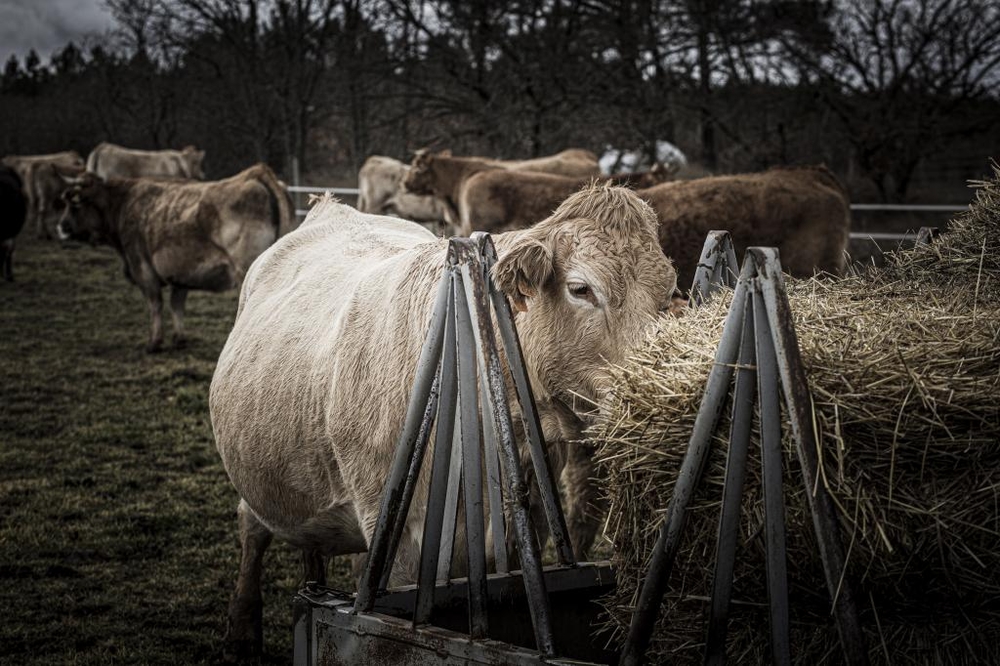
x,y
193,159
587,283
422,176
86,199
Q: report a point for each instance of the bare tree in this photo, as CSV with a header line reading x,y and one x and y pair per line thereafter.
x,y
904,77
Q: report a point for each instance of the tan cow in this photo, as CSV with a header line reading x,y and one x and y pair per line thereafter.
x,y
381,192
489,198
109,160
185,235
573,162
40,177
311,388
803,211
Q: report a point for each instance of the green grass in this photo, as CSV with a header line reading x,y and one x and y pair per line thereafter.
x,y
118,539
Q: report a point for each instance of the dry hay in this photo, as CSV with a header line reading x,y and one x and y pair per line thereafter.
x,y
904,367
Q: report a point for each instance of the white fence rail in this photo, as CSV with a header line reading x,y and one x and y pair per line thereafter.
x,y
875,236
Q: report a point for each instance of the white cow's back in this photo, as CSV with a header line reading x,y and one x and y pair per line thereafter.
x,y
311,388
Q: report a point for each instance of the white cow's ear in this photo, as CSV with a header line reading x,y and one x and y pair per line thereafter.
x,y
522,271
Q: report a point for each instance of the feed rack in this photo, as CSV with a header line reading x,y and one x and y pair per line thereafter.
x,y
535,615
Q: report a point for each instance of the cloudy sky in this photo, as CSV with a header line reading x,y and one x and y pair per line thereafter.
x,y
46,25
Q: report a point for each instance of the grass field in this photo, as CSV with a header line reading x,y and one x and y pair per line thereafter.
x,y
117,522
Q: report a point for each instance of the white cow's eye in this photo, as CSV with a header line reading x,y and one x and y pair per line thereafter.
x,y
582,291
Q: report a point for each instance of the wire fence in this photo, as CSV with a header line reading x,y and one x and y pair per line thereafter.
x,y
855,235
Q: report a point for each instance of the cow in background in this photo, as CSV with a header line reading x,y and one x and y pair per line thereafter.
x,y
109,160
486,197
336,313
182,235
803,211
381,192
13,211
42,185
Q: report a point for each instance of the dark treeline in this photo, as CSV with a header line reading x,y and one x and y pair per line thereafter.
x,y
897,96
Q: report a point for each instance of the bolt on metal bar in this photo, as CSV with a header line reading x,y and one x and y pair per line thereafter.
x,y
415,426
468,401
732,493
717,266
541,465
798,403
437,493
774,506
688,478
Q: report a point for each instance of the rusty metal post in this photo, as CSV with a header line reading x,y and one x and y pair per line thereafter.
x,y
416,428
517,490
541,465
472,444
798,403
688,478
437,494
774,506
927,234
732,494
717,267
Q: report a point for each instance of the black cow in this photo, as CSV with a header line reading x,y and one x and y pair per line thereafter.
x,y
13,210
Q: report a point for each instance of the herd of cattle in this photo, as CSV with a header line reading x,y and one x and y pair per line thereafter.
x,y
172,229
310,390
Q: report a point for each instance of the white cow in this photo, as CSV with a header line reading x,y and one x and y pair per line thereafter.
x,y
109,160
381,191
311,388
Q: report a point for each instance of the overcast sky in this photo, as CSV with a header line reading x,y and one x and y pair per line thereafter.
x,y
46,25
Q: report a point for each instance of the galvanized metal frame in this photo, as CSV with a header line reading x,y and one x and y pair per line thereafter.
x,y
460,385
758,340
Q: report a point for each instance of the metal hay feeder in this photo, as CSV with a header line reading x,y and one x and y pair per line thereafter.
x,y
535,615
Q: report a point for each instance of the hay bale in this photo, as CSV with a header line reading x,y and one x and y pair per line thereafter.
x,y
904,367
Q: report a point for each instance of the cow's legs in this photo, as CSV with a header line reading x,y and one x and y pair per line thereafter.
x,y
245,632
178,297
314,565
584,505
155,299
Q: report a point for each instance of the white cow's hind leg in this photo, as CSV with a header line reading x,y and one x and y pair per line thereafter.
x,y
178,297
244,633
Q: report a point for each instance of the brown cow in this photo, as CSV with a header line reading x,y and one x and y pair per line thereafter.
x,y
40,178
311,389
185,235
488,198
381,192
803,211
109,160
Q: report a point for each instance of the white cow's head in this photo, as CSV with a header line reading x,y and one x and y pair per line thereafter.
x,y
587,282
